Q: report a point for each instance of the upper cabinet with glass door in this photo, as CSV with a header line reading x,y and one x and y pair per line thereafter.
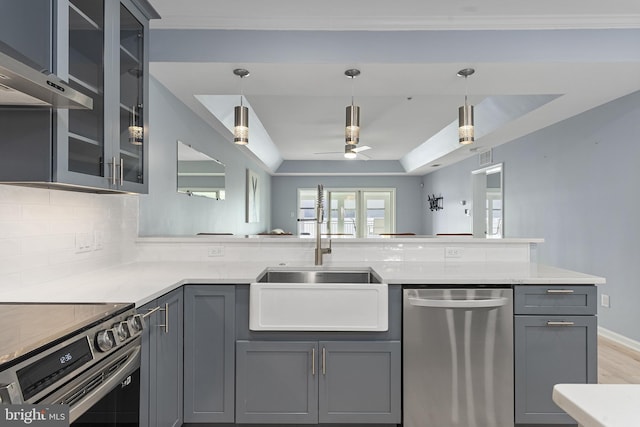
x,y
86,132
105,148
100,47
133,96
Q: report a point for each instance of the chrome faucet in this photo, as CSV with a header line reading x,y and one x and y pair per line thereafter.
x,y
319,219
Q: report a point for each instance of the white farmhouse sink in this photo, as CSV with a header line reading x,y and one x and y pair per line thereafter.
x,y
318,300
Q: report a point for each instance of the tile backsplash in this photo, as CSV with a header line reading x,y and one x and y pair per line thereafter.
x,y
49,234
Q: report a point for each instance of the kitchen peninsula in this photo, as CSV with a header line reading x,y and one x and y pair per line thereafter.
x,y
211,357
164,263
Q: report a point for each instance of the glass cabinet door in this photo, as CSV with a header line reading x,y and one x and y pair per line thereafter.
x,y
132,123
86,150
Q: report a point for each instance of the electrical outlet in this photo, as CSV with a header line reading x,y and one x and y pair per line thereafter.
x,y
604,300
98,240
216,251
452,252
84,242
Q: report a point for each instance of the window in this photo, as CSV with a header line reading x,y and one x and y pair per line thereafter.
x,y
366,212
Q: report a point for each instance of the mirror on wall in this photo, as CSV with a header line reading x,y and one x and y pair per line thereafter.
x,y
199,174
488,202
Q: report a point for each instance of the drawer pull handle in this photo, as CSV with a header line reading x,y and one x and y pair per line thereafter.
x,y
559,323
559,291
313,361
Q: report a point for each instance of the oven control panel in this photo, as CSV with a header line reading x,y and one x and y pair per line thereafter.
x,y
119,333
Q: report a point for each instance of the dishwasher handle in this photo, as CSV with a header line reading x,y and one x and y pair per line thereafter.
x,y
459,303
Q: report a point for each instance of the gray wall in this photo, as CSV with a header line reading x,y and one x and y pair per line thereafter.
x,y
409,207
166,212
575,185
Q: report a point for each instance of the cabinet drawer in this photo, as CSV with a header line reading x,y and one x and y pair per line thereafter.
x,y
555,299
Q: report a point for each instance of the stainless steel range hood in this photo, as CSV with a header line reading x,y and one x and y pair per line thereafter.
x,y
23,85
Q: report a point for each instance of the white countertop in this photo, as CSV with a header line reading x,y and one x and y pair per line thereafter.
x,y
600,405
141,282
292,239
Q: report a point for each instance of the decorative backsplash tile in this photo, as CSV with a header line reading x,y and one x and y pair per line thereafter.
x,y
50,234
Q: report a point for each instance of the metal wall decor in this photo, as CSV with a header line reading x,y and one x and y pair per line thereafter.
x,y
435,202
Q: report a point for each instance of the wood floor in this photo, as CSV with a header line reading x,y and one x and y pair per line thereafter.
x,y
617,364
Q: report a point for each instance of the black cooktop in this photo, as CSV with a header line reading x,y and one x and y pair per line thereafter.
x,y
27,327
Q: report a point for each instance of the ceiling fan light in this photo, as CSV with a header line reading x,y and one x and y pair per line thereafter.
x,y
352,128
466,132
241,125
349,151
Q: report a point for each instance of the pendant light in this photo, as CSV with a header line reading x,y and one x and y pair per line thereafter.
x,y
352,128
466,134
136,132
241,114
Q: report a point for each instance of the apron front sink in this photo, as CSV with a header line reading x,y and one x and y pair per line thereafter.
x,y
318,300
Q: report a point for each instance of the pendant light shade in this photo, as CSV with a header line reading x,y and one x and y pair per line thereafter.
x,y
136,132
465,124
352,126
241,125
352,129
466,131
241,114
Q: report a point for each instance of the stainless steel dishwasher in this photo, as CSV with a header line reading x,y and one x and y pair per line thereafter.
x,y
458,357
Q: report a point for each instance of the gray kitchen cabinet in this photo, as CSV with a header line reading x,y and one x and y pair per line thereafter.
x,y
32,41
310,382
359,382
101,50
556,344
276,382
209,354
161,366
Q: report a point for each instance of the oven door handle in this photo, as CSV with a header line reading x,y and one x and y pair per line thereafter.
x,y
93,396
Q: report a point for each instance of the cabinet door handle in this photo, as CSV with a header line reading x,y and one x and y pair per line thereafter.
x,y
313,361
121,171
166,318
324,361
559,291
559,323
113,171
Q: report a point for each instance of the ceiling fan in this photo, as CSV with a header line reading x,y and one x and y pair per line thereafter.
x,y
351,152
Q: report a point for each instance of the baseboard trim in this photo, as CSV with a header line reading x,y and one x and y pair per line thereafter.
x,y
620,339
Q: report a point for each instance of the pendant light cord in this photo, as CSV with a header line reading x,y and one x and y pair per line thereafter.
x,y
352,89
466,89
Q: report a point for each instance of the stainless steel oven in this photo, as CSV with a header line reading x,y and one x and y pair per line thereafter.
x,y
86,356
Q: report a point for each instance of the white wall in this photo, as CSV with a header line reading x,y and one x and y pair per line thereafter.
x,y
166,212
38,230
575,185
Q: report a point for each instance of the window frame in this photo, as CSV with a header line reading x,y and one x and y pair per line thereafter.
x,y
361,209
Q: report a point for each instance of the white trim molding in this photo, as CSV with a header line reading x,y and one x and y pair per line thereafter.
x,y
620,339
